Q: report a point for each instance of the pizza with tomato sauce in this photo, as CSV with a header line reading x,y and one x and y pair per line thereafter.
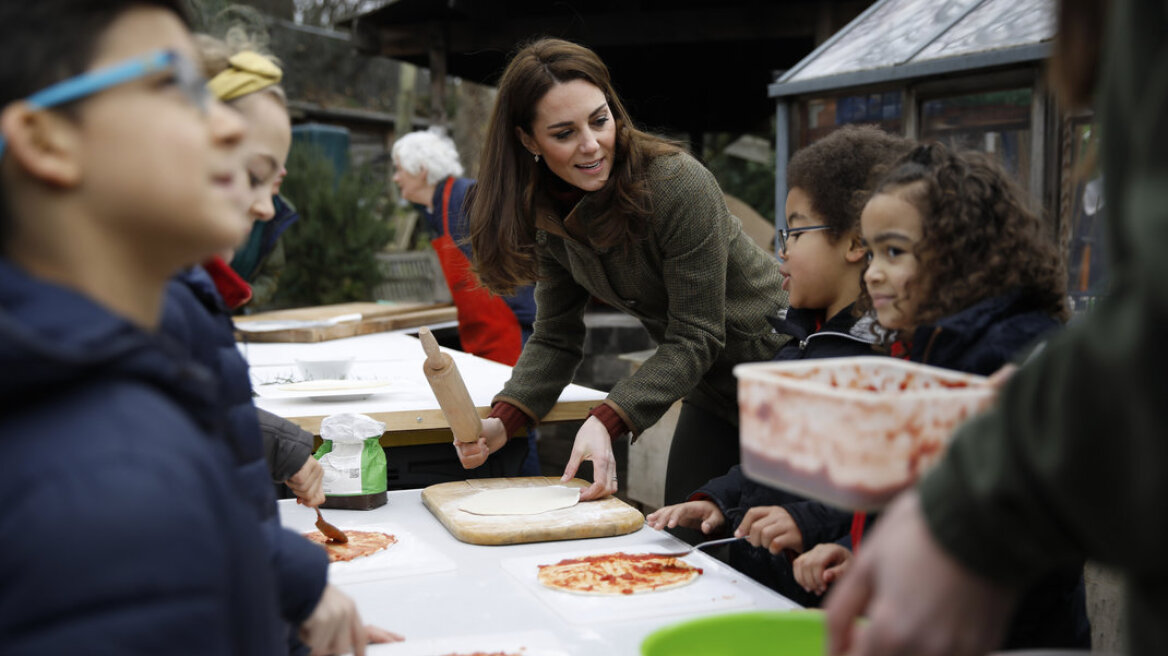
x,y
618,574
361,543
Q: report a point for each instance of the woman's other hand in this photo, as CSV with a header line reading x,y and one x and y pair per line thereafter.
x,y
593,443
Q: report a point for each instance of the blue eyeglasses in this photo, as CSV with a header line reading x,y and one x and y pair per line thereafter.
x,y
785,234
189,80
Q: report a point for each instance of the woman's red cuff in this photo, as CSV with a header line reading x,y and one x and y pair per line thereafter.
x,y
513,418
611,420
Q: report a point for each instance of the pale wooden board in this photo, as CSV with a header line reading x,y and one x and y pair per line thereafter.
x,y
588,519
376,318
322,312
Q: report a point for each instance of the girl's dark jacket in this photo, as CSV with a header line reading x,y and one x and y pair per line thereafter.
x,y
196,317
980,340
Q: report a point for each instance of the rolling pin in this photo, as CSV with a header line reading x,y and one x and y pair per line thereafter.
x,y
442,374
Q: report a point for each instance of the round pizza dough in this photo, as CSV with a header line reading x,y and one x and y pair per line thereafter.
x,y
520,500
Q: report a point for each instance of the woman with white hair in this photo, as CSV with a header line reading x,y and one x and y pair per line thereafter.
x,y
428,172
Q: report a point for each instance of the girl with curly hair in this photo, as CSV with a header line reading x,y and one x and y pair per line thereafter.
x,y
966,276
959,267
572,196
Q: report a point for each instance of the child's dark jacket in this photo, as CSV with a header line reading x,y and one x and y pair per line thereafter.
x,y
133,536
983,337
196,317
980,340
841,336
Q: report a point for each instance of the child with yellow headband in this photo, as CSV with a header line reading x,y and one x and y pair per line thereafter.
x,y
198,313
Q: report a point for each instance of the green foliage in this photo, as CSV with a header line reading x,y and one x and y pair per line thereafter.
x,y
331,250
751,182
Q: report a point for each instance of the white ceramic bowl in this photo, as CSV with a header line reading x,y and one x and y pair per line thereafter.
x,y
324,369
852,432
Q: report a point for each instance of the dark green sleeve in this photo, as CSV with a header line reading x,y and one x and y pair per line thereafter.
x,y
1073,461
553,352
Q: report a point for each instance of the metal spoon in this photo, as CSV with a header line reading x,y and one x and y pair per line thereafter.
x,y
700,545
331,532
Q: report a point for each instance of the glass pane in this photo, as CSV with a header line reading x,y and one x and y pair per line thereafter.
x,y
997,122
996,24
1086,257
821,116
894,30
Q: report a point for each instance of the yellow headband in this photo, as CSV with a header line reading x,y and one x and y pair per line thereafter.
x,y
249,72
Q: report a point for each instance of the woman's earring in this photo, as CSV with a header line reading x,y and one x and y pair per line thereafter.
x,y
537,158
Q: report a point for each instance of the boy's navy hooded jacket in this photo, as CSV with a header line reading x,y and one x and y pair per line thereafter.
x,y
841,336
122,530
196,316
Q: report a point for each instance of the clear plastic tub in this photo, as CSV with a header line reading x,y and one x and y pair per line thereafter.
x,y
852,432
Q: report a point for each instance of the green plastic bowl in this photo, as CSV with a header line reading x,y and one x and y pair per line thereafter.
x,y
774,633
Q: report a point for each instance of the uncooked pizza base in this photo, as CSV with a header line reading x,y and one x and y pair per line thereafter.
x,y
520,500
618,574
360,544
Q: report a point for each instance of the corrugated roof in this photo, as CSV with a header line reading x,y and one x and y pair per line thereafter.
x,y
917,35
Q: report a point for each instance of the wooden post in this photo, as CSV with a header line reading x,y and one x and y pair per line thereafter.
x,y
438,75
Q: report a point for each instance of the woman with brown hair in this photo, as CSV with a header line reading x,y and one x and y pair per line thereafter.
x,y
572,196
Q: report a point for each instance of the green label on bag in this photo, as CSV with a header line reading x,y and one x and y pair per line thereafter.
x,y
373,469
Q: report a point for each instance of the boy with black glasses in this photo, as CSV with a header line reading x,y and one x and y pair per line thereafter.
x,y
823,260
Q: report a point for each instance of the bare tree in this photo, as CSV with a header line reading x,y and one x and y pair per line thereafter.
x,y
326,13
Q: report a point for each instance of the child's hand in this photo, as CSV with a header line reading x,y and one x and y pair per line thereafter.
x,y
822,566
691,514
306,483
771,527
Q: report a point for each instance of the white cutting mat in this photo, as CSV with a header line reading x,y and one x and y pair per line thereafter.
x,y
409,556
529,643
717,589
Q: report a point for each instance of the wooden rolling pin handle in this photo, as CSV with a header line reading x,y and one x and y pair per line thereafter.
x,y
450,390
434,358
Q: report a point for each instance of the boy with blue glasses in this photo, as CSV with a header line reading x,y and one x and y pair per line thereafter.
x,y
121,524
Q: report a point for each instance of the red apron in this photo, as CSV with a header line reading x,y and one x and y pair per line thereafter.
x,y
486,325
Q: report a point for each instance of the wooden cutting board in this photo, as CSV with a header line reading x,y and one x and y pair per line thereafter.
x,y
589,519
375,318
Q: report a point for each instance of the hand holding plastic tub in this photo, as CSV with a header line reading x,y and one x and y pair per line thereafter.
x,y
903,581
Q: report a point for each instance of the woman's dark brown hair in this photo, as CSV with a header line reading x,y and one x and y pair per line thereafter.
x,y
978,237
502,203
838,171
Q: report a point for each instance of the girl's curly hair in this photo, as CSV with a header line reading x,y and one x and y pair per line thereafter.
x,y
979,238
